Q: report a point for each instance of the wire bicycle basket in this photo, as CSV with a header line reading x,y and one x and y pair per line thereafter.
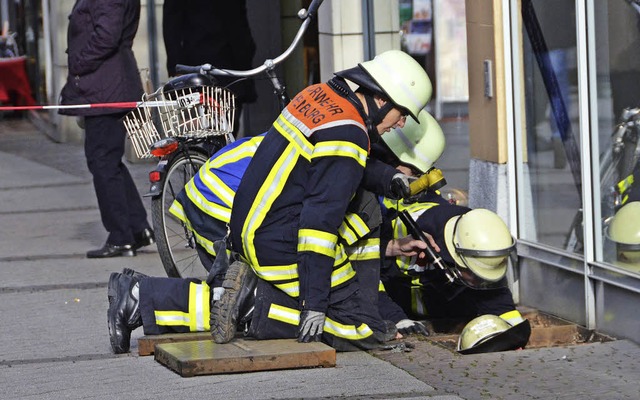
x,y
191,112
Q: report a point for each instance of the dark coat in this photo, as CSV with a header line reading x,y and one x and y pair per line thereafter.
x,y
217,32
102,67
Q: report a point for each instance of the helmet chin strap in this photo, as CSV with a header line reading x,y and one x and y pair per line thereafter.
x,y
373,117
376,115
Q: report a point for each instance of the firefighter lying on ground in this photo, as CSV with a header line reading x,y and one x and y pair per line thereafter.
x,y
474,246
287,217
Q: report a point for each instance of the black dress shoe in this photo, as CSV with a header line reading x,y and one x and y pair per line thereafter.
x,y
123,315
144,238
110,250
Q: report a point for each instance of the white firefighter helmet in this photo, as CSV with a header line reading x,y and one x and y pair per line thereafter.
x,y
417,144
397,76
480,243
624,230
488,333
481,329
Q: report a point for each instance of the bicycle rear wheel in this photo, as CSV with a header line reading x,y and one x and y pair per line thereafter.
x,y
176,244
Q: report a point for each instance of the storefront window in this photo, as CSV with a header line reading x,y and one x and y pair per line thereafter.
x,y
552,130
618,92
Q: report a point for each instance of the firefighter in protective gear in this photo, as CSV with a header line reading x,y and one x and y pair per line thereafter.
x,y
296,191
624,231
170,305
489,333
471,282
175,305
180,305
418,144
480,243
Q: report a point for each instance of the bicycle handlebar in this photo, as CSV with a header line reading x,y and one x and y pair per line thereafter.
x,y
269,64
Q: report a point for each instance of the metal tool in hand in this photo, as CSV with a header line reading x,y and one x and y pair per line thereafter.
x,y
415,231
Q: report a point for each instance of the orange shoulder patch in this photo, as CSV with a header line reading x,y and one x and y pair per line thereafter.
x,y
318,104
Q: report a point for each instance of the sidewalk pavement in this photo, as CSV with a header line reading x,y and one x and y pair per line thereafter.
x,y
55,341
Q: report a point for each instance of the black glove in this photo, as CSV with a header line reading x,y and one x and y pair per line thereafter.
x,y
409,326
311,326
399,187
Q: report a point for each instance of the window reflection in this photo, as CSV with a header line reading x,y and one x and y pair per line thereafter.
x,y
551,98
618,65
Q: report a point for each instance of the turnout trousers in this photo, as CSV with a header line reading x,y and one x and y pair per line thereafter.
x,y
169,305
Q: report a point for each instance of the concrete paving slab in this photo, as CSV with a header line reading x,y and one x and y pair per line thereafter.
x,y
47,272
357,375
17,172
77,195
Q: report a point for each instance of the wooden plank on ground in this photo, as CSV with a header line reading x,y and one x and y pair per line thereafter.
x,y
204,357
147,344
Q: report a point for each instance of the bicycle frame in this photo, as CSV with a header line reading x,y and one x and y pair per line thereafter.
x,y
176,161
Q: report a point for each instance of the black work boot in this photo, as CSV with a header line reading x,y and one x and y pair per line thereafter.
x,y
236,304
133,273
123,315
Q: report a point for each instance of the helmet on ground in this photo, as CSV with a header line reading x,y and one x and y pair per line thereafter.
x,y
489,333
480,243
417,144
624,230
396,76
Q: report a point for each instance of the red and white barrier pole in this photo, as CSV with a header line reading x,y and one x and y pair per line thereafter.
x,y
129,104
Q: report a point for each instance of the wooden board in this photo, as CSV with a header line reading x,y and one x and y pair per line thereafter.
x,y
147,344
204,357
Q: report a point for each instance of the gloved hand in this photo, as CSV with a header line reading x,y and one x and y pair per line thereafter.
x,y
311,326
399,187
409,326
217,293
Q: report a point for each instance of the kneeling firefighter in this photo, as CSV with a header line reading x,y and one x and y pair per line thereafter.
x,y
125,290
467,278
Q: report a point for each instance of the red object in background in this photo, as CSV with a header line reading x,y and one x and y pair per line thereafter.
x,y
14,83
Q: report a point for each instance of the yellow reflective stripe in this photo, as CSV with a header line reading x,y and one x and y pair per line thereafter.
x,y
353,228
177,210
335,148
292,317
266,196
400,231
210,208
172,318
294,135
246,149
341,255
216,185
358,224
368,249
512,317
290,288
342,274
625,184
317,241
197,319
411,207
417,303
276,272
199,303
350,332
347,234
284,314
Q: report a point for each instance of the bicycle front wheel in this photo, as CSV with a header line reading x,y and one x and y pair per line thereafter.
x,y
176,244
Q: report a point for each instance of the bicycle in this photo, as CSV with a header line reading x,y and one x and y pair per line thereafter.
x,y
183,151
616,163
